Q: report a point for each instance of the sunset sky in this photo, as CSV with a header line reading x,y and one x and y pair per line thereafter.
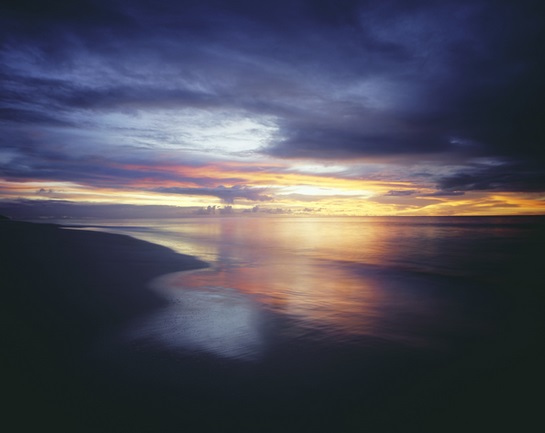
x,y
303,107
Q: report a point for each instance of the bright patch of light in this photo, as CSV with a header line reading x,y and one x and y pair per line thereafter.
x,y
214,320
320,169
34,185
199,131
323,191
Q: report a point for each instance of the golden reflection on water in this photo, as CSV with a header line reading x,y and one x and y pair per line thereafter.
x,y
307,270
335,300
333,280
339,280
330,278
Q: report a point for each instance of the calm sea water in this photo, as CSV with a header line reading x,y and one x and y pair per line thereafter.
x,y
326,325
423,283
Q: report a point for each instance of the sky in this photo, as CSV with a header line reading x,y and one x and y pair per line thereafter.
x,y
304,107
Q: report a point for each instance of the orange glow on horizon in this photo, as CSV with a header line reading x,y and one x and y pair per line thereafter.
x,y
282,189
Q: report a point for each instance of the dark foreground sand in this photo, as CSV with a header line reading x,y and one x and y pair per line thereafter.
x,y
63,290
60,291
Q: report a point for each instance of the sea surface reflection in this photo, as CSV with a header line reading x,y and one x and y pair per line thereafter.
x,y
410,281
325,325
218,321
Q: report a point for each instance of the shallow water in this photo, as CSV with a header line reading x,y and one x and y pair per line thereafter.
x,y
416,282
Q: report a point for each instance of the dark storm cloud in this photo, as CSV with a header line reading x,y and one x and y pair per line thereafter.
x,y
29,160
355,140
18,115
67,95
228,195
476,92
61,209
510,177
400,193
441,81
443,193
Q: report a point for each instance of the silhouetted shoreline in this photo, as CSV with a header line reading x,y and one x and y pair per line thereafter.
x,y
61,290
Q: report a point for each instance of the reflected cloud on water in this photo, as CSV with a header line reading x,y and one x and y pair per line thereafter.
x,y
218,321
320,301
332,280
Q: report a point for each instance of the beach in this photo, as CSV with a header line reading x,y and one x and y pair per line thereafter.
x,y
62,290
67,295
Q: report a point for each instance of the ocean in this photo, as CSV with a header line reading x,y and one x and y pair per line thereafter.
x,y
325,323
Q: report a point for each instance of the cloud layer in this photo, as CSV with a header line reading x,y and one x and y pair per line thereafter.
x,y
109,93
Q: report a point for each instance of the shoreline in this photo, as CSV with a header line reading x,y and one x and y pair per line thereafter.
x,y
104,276
61,291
